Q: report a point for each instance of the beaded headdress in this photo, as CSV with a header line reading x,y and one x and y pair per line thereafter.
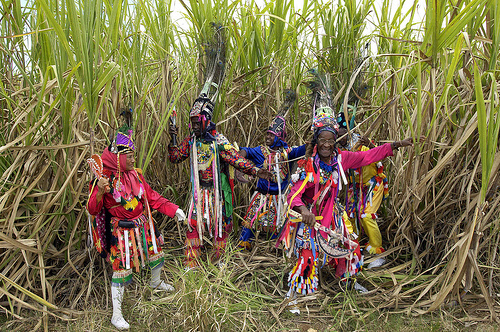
x,y
321,101
278,125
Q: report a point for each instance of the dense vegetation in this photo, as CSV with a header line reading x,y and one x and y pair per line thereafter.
x,y
67,68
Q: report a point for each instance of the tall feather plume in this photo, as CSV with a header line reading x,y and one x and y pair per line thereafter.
x,y
321,99
290,97
128,117
357,92
215,57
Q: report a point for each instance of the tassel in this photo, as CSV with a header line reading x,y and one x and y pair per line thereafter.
x,y
153,236
190,215
120,242
197,194
139,244
127,251
134,246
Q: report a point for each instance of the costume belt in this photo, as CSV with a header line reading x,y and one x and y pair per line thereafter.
x,y
206,184
130,223
126,224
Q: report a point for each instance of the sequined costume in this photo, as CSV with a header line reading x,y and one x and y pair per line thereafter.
x,y
213,193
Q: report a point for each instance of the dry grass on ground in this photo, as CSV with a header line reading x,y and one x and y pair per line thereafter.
x,y
246,294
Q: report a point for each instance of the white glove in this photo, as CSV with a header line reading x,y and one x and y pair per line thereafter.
x,y
181,216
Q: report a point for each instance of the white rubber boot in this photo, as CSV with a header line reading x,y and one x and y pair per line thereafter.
x,y
292,305
158,284
117,320
359,288
377,263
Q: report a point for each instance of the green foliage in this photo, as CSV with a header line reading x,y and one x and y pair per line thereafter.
x,y
68,69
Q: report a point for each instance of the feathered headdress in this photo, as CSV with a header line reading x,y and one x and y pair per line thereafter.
x,y
215,57
123,141
357,92
278,125
321,102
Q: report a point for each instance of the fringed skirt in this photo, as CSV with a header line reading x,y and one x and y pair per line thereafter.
x,y
133,247
213,215
265,212
303,277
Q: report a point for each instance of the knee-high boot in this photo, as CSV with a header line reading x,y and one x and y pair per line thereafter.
x,y
117,297
156,283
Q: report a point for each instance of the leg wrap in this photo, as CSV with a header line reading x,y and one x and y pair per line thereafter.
x,y
246,239
193,249
220,245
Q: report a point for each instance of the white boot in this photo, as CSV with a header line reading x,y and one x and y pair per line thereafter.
x,y
377,263
359,288
117,320
293,308
158,284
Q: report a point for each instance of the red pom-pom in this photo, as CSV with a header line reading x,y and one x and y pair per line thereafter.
x,y
309,166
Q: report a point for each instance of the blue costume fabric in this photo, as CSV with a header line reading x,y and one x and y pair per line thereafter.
x,y
256,155
266,204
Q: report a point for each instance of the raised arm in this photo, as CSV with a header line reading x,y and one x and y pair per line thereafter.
x,y
179,153
229,154
233,158
363,158
97,190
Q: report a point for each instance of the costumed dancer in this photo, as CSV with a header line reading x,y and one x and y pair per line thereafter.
x,y
123,228
313,193
267,203
367,189
211,156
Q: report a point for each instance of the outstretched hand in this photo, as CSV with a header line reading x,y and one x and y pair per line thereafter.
x,y
264,174
181,216
406,142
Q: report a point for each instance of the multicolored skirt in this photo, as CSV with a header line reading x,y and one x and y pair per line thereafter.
x,y
264,213
213,217
133,247
303,277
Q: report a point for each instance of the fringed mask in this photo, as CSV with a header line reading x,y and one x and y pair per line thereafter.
x,y
203,109
202,106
